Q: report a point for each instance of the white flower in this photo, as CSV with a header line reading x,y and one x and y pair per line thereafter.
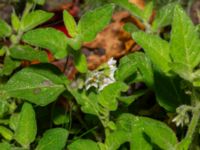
x,y
103,76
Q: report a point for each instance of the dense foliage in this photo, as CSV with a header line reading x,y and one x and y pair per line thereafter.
x,y
40,108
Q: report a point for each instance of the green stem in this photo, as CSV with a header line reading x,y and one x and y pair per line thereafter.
x,y
105,120
193,127
194,124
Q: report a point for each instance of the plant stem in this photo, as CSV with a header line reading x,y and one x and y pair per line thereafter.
x,y
193,127
194,124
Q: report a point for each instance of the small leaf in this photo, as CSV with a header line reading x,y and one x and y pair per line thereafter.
x,y
94,21
83,144
88,103
185,53
40,84
70,23
80,62
5,29
127,67
10,65
4,107
5,146
60,116
34,19
6,133
130,7
148,10
27,128
130,99
108,100
156,49
28,53
48,38
130,27
39,2
164,16
14,120
116,139
15,21
53,139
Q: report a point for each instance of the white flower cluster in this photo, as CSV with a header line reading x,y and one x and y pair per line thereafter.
x,y
183,117
102,76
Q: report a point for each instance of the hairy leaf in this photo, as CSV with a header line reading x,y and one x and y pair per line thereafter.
x,y
185,54
34,19
40,84
28,53
156,49
5,29
70,23
27,128
53,139
108,100
83,144
164,16
130,7
49,38
94,21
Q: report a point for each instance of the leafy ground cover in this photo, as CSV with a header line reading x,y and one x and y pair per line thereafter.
x,y
100,75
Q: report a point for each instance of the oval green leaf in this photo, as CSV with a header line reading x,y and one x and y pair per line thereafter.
x,y
34,19
40,84
53,139
48,38
27,127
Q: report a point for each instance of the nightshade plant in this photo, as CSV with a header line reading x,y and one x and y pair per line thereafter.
x,y
168,68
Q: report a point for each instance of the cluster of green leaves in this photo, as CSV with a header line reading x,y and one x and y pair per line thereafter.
x,y
163,66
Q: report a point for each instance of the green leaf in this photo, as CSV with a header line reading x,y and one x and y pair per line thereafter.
x,y
60,116
145,133
80,62
130,99
53,139
4,107
27,127
169,93
5,29
164,16
130,7
28,53
88,103
48,38
70,23
144,68
94,21
14,120
15,21
156,49
148,10
34,19
83,144
135,63
130,27
108,100
185,54
10,65
116,139
127,67
6,133
5,146
40,84
39,2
